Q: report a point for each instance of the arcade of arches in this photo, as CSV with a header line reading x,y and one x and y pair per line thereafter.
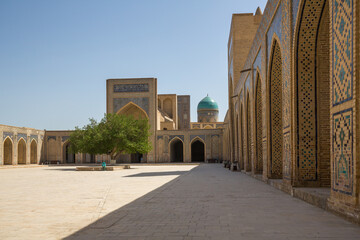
x,y
292,100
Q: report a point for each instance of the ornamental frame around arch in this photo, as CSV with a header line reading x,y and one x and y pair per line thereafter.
x,y
130,104
275,40
12,150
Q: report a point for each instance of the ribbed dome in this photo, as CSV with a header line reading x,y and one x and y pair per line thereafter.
x,y
207,103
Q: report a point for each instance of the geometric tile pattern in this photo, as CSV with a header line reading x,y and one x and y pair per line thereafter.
x,y
258,119
343,152
22,135
295,7
8,134
276,129
285,43
33,137
306,89
342,32
287,156
275,27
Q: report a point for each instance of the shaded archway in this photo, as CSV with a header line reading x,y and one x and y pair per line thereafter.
x,y
131,109
176,150
248,136
21,151
69,157
237,138
8,152
258,122
276,125
312,72
33,152
168,107
197,151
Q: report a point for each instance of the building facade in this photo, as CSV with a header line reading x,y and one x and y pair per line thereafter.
x,y
292,97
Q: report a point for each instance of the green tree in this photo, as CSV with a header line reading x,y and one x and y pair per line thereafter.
x,y
113,135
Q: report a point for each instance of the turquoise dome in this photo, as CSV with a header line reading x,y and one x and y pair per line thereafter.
x,y
207,103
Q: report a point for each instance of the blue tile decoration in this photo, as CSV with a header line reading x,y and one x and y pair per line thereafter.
x,y
141,102
295,8
199,136
342,56
276,28
174,136
51,137
8,134
34,137
342,157
64,138
143,87
22,135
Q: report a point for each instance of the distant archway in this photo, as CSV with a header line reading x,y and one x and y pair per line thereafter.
x,y
242,148
33,152
69,157
197,151
8,150
21,151
176,150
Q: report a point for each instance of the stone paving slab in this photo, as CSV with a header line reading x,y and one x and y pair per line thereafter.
x,y
156,202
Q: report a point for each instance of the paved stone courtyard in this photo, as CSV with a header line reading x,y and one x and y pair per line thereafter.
x,y
156,202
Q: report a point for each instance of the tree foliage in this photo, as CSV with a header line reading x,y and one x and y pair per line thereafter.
x,y
114,134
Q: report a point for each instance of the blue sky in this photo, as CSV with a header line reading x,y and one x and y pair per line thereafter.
x,y
56,55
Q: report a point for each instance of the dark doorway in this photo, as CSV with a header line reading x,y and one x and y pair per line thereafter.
x,y
197,151
176,151
136,157
69,157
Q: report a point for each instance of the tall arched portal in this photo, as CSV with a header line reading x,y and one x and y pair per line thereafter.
x,y
258,121
176,151
312,65
69,157
8,152
197,151
21,152
276,126
33,152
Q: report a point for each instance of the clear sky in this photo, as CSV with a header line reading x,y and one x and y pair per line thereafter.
x,y
56,55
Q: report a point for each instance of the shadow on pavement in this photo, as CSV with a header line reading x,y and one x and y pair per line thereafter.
x,y
123,219
154,174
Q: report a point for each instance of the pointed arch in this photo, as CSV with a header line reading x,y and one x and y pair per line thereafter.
x,y
21,151
312,93
33,152
258,122
132,109
197,148
176,150
275,100
8,151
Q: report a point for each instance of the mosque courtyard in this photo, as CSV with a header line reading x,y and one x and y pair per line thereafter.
x,y
203,201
